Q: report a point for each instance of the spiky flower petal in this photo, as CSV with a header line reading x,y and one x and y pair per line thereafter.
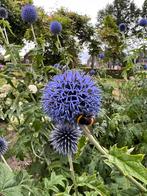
x,y
55,27
122,27
69,95
64,139
3,13
29,13
3,146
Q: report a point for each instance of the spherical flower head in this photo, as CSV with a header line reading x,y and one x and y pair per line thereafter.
x,y
55,27
29,13
70,94
145,67
101,55
122,27
92,72
3,146
64,139
3,13
143,22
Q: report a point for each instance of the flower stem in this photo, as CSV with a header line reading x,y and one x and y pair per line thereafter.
x,y
58,40
2,157
6,41
6,36
93,141
34,36
106,153
72,173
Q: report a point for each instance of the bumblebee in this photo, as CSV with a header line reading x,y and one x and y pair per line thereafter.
x,y
85,120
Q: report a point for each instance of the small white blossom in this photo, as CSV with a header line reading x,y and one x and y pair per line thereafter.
x,y
32,88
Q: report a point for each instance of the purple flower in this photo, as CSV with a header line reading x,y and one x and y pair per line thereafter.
x,y
145,67
122,27
143,22
55,27
1,66
101,55
69,95
57,65
3,13
3,146
29,13
92,72
64,139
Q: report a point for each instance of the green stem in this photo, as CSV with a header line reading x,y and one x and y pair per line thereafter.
x,y
36,155
142,188
6,41
106,153
2,157
5,32
3,35
72,173
93,141
34,36
60,46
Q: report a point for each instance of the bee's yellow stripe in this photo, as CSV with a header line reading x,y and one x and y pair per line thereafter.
x,y
78,119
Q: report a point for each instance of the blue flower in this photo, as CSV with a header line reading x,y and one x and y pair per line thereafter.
x,y
92,72
142,22
55,27
64,139
69,95
101,55
29,13
3,13
57,65
122,27
3,146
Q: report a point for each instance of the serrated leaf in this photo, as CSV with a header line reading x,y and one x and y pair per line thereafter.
x,y
93,183
53,182
130,165
8,185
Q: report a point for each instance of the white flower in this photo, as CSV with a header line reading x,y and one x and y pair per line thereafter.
x,y
32,88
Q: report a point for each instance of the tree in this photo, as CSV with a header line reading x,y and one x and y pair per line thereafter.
x,y
144,9
124,11
111,38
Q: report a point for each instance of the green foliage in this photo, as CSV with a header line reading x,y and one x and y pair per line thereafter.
x,y
122,120
129,165
124,11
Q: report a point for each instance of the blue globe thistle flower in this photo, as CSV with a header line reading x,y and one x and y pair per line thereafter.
x,y
3,13
143,22
55,27
57,65
64,139
101,55
3,146
145,67
70,94
122,27
29,13
92,72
